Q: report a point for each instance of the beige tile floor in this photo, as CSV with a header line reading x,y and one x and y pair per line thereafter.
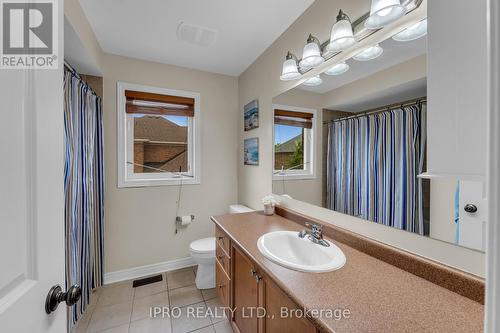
x,y
120,308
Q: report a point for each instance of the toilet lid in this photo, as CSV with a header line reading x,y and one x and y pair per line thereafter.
x,y
204,245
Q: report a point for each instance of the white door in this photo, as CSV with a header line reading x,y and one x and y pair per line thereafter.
x,y
31,198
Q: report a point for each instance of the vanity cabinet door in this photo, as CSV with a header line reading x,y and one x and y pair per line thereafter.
x,y
275,299
245,293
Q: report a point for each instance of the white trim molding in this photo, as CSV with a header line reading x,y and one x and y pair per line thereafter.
x,y
142,271
309,146
125,178
492,317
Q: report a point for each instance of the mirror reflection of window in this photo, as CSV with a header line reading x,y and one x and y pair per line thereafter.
x,y
288,147
293,142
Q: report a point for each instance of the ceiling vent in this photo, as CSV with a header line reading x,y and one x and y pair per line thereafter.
x,y
196,35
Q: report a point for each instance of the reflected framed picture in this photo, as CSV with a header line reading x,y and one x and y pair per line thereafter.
x,y
251,115
251,151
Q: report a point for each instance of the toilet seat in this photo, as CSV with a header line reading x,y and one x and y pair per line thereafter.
x,y
204,246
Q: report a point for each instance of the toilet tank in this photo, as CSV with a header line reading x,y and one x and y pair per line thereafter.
x,y
235,209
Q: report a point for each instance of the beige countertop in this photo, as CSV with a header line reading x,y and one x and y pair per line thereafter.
x,y
380,297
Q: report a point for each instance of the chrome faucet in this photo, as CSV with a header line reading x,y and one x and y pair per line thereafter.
x,y
315,235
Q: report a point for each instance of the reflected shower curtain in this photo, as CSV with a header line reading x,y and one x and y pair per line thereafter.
x,y
83,188
373,163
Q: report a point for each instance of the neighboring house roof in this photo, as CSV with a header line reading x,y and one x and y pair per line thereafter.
x,y
159,129
288,146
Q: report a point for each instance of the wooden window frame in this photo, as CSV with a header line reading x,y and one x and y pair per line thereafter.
x,y
126,175
309,145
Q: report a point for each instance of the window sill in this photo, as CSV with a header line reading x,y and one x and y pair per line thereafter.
x,y
293,177
158,182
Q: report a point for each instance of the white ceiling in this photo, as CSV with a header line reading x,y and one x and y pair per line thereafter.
x,y
403,92
394,53
147,29
76,54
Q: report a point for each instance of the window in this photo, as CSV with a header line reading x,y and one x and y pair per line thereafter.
x,y
294,130
158,136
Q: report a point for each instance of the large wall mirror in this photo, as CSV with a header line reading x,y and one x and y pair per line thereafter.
x,y
354,140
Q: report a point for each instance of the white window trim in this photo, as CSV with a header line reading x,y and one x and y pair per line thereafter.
x,y
156,179
309,153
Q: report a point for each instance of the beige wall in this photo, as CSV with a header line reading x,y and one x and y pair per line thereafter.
x,y
139,222
261,80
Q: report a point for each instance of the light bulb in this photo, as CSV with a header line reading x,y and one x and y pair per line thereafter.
x,y
384,12
314,81
289,70
413,32
338,69
311,56
369,53
341,36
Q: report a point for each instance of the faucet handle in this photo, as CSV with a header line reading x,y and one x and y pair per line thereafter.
x,y
314,227
317,231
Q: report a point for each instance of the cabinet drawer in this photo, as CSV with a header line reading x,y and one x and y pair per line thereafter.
x,y
223,284
223,259
222,239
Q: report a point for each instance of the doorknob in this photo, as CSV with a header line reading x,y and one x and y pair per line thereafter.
x,y
470,208
56,296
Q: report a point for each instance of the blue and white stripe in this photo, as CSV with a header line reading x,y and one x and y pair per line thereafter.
x,y
84,188
373,163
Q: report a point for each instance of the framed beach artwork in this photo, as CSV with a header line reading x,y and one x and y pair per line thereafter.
x,y
251,115
251,151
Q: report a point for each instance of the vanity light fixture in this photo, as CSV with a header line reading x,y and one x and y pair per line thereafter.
x,y
311,56
369,53
313,82
290,70
383,12
338,69
413,32
342,36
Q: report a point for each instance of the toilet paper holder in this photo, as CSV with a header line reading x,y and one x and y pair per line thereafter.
x,y
178,219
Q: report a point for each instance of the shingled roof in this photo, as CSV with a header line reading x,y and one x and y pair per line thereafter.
x,y
288,146
158,129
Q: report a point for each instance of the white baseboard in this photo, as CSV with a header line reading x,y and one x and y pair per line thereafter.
x,y
142,271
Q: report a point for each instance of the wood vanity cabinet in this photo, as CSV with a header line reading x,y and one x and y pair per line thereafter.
x,y
256,298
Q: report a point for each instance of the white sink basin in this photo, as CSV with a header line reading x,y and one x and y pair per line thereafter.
x,y
287,249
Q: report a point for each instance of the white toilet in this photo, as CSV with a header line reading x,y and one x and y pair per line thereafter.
x,y
203,253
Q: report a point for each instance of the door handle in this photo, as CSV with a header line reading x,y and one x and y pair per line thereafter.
x,y
56,296
470,208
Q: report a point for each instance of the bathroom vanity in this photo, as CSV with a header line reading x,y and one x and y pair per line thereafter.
x,y
375,291
243,284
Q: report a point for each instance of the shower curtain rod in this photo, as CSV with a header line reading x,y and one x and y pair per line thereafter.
x,y
381,109
75,74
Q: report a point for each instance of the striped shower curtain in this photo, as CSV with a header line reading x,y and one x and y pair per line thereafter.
x,y
84,188
373,163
